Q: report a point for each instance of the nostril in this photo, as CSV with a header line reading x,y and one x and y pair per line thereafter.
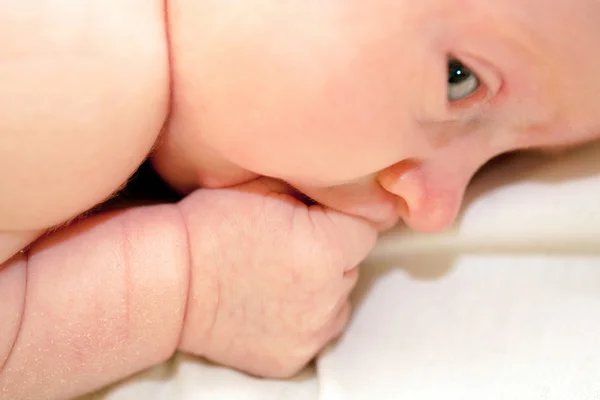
x,y
402,208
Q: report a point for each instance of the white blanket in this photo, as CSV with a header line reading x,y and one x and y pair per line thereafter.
x,y
506,305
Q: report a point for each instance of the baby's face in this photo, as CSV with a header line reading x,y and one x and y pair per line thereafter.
x,y
384,107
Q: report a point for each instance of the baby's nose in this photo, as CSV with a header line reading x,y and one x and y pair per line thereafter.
x,y
429,196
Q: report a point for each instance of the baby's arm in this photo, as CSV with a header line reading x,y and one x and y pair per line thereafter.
x,y
248,277
95,302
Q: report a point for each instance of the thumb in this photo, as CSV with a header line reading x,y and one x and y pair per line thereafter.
x,y
352,236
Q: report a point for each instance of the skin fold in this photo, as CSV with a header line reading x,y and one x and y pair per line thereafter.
x,y
241,106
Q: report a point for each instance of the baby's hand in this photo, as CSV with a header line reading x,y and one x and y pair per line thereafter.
x,y
249,277
284,273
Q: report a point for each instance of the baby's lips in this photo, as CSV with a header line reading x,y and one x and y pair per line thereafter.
x,y
368,201
382,216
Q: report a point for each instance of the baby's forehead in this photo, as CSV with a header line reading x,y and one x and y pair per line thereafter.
x,y
491,14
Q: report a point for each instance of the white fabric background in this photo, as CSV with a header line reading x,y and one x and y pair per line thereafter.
x,y
505,305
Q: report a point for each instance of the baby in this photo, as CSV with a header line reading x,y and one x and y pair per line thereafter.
x,y
297,131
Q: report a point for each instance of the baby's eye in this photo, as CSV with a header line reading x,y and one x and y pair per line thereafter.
x,y
462,83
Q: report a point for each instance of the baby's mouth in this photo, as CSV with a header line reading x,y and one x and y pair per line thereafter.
x,y
368,201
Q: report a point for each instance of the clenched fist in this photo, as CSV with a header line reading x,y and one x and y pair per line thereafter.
x,y
282,270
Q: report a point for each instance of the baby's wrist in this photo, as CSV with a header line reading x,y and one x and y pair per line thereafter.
x,y
203,276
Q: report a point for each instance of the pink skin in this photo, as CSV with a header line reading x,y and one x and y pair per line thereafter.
x,y
335,99
346,100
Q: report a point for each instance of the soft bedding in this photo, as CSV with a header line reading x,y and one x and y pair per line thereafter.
x,y
505,305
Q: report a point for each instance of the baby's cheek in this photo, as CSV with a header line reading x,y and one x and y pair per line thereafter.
x,y
298,105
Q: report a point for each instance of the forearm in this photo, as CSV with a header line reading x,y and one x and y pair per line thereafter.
x,y
93,303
